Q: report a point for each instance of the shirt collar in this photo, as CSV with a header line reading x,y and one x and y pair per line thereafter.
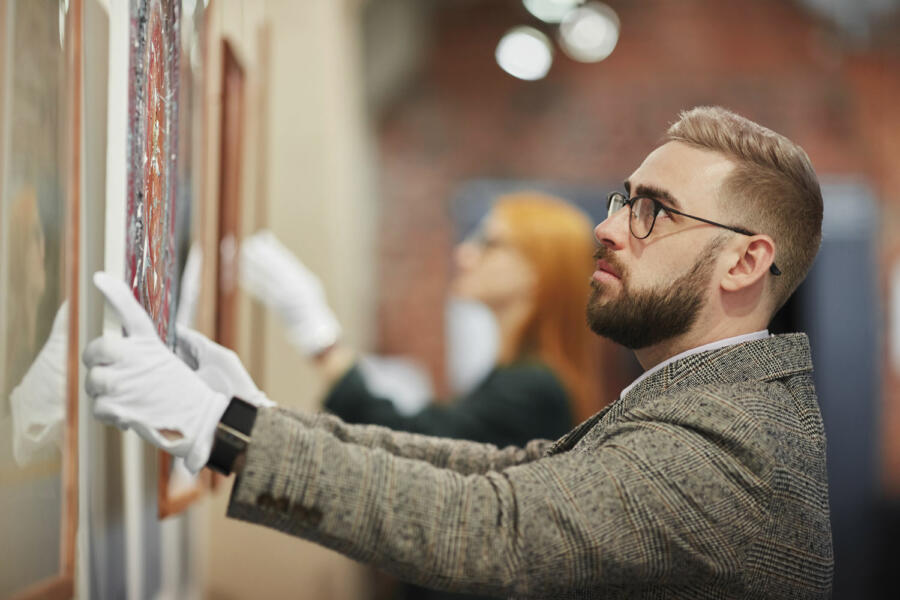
x,y
739,339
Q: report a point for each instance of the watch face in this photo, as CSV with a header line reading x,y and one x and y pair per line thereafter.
x,y
232,436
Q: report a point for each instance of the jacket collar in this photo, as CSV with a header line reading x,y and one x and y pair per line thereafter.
x,y
766,359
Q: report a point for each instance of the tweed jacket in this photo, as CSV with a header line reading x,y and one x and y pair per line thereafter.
x,y
707,480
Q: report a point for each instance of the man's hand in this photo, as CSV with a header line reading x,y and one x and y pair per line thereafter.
x,y
136,382
219,367
272,274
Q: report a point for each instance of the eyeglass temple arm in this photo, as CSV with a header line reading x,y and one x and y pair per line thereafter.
x,y
774,270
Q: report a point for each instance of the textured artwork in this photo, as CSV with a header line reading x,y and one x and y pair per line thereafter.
x,y
177,488
151,259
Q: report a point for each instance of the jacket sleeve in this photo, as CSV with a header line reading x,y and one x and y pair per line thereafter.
x,y
514,405
651,502
464,457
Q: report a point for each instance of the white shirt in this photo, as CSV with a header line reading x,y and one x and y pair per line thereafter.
x,y
738,339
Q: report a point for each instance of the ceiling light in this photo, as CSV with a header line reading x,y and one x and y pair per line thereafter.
x,y
589,33
550,11
525,52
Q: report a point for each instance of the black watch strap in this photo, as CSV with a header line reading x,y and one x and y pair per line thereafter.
x,y
232,435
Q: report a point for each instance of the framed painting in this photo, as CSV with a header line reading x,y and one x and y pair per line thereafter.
x,y
152,151
177,488
230,165
40,120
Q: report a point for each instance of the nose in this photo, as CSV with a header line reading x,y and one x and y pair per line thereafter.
x,y
613,232
466,255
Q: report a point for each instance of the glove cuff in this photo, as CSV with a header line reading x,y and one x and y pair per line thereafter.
x,y
199,453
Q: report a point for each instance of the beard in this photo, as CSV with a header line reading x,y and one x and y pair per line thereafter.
x,y
643,318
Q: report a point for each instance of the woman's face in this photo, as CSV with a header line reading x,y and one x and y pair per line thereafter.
x,y
490,269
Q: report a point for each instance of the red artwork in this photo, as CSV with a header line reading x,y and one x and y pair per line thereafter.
x,y
150,245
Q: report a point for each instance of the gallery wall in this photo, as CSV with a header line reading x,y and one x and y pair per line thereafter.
x,y
301,166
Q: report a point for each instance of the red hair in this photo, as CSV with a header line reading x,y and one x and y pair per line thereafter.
x,y
556,238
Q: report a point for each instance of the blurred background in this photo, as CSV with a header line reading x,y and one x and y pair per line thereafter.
x,y
374,135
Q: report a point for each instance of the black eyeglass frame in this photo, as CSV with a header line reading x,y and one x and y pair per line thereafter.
x,y
657,206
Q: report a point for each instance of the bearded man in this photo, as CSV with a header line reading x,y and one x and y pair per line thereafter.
x,y
705,479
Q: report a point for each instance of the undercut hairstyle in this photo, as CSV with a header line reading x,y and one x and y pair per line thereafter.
x,y
772,189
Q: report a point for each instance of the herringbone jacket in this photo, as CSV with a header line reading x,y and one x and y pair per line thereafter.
x,y
707,480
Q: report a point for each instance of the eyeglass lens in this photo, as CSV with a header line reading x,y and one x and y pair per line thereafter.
x,y
642,212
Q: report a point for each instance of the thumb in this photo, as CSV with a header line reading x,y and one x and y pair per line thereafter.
x,y
132,315
188,346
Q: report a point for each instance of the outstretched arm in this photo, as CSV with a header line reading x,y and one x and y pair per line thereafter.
x,y
646,505
461,456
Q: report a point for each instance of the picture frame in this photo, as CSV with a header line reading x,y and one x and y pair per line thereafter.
x,y
231,148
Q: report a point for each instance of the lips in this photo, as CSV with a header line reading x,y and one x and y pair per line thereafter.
x,y
605,267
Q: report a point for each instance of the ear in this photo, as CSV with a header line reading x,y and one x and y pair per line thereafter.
x,y
751,265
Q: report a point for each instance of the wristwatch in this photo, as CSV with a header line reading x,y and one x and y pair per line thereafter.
x,y
232,435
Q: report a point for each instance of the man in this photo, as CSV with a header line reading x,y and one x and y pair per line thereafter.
x,y
706,479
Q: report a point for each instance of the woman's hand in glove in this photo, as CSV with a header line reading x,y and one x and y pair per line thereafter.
x,y
272,274
137,382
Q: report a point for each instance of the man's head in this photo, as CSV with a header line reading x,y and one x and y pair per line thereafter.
x,y
723,168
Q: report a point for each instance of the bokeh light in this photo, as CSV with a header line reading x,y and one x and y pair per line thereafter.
x,y
525,52
550,11
589,33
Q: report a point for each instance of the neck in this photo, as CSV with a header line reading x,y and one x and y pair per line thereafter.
x,y
511,318
699,335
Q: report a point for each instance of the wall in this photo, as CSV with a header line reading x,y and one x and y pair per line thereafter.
x,y
307,179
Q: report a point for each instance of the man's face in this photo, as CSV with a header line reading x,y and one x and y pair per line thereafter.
x,y
647,291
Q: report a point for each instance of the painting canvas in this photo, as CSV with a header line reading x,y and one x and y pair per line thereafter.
x,y
177,488
151,205
39,120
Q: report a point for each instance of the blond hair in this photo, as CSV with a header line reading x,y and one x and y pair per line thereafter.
x,y
557,240
773,188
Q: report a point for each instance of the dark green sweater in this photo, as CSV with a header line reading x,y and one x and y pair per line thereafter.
x,y
514,404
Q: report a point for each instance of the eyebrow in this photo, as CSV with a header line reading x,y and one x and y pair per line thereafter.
x,y
654,192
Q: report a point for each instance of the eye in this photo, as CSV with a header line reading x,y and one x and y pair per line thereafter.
x,y
662,213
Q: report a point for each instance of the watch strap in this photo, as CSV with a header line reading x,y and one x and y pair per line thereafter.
x,y
232,435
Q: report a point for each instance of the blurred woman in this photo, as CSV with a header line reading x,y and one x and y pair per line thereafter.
x,y
529,263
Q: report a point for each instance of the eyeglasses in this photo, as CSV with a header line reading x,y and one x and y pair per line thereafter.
x,y
644,210
483,241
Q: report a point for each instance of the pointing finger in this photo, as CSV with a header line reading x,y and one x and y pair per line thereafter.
x,y
132,315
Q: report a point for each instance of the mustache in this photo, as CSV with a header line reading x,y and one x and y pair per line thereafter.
x,y
607,255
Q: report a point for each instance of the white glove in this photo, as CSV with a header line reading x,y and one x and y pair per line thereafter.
x,y
272,274
137,382
218,366
38,402
190,287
